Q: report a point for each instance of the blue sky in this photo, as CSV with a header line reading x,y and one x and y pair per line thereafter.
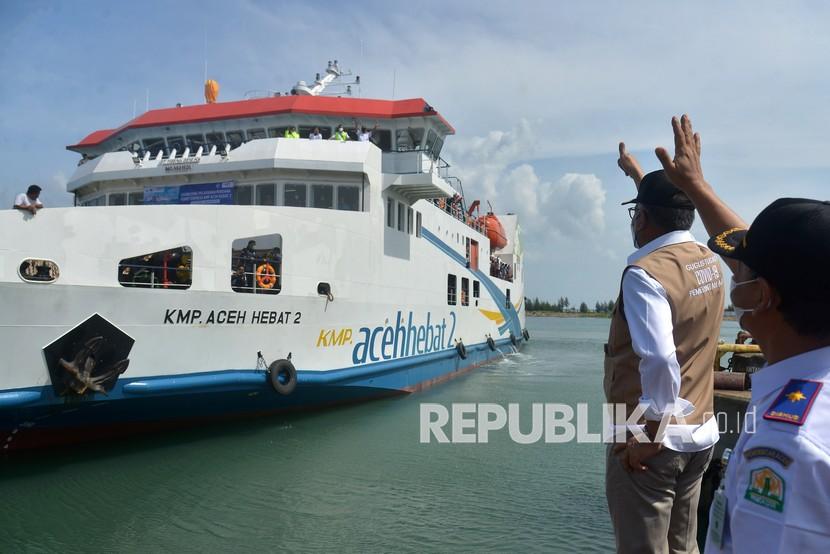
x,y
539,92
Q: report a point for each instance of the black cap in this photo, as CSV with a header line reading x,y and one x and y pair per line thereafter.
x,y
788,244
33,189
656,190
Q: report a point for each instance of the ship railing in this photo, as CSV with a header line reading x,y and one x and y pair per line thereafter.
x,y
154,276
416,160
456,210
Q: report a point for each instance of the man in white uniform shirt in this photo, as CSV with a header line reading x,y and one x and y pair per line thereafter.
x,y
29,201
658,360
776,493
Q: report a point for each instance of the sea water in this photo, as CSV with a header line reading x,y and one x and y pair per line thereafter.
x,y
352,479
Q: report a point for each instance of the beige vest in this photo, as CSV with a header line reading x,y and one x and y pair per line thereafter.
x,y
692,277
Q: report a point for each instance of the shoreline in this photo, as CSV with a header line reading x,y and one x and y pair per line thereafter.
x,y
595,315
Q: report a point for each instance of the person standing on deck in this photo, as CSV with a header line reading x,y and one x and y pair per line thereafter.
x,y
340,134
658,371
776,493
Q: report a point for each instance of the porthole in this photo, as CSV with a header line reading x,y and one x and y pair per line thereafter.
x,y
33,270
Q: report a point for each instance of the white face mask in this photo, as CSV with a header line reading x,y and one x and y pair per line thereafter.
x,y
634,233
739,312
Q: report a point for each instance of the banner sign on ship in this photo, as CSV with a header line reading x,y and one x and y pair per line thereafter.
x,y
205,193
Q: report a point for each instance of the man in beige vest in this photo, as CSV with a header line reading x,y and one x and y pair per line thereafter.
x,y
658,371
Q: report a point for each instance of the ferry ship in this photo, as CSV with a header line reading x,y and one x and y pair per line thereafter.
x,y
248,257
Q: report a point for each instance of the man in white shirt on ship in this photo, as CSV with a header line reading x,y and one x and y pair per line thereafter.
x,y
776,493
29,201
315,134
658,363
364,134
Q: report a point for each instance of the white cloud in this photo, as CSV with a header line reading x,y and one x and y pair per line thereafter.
x,y
494,166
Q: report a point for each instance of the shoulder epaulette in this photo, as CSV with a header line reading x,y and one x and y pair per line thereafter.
x,y
794,402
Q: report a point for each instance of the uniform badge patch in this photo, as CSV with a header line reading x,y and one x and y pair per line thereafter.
x,y
768,452
766,488
794,402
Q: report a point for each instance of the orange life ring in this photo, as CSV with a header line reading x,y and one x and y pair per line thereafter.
x,y
266,277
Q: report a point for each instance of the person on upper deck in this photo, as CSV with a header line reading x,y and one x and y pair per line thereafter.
x,y
315,134
29,201
364,134
292,132
340,134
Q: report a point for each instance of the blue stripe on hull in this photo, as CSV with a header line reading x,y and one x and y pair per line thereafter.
x,y
177,400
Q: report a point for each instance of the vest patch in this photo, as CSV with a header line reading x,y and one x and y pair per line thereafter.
x,y
768,452
794,402
766,488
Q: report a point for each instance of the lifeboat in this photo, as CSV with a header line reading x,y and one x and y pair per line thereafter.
x,y
494,231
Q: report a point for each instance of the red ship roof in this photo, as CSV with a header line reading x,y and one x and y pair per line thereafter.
x,y
346,108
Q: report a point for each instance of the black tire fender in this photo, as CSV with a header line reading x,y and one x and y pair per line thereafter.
x,y
283,376
525,335
513,340
461,349
491,343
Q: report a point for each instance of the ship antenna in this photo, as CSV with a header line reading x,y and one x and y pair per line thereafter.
x,y
330,78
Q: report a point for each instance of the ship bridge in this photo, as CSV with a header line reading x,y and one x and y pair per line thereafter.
x,y
235,141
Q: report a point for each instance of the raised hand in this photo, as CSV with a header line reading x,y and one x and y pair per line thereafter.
x,y
629,165
684,171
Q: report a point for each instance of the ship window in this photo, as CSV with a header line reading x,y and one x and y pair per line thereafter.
x,y
176,143
451,289
348,198
194,142
382,138
401,216
265,195
167,269
435,151
256,265
409,138
235,138
242,195
465,291
254,134
295,195
154,146
39,271
135,198
409,223
390,213
118,199
432,136
133,147
418,224
215,139
322,196
305,132
97,201
476,286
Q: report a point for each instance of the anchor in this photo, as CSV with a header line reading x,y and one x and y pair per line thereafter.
x,y
84,373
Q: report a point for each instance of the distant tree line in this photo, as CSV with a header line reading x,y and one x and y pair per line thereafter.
x,y
564,305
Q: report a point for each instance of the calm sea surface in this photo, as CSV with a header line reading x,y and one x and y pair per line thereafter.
x,y
350,479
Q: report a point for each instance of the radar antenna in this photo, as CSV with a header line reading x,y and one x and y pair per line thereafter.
x,y
330,80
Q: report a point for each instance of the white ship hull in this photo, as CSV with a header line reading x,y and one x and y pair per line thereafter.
x,y
387,330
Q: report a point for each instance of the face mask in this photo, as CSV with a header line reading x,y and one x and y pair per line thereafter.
x,y
739,312
634,233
